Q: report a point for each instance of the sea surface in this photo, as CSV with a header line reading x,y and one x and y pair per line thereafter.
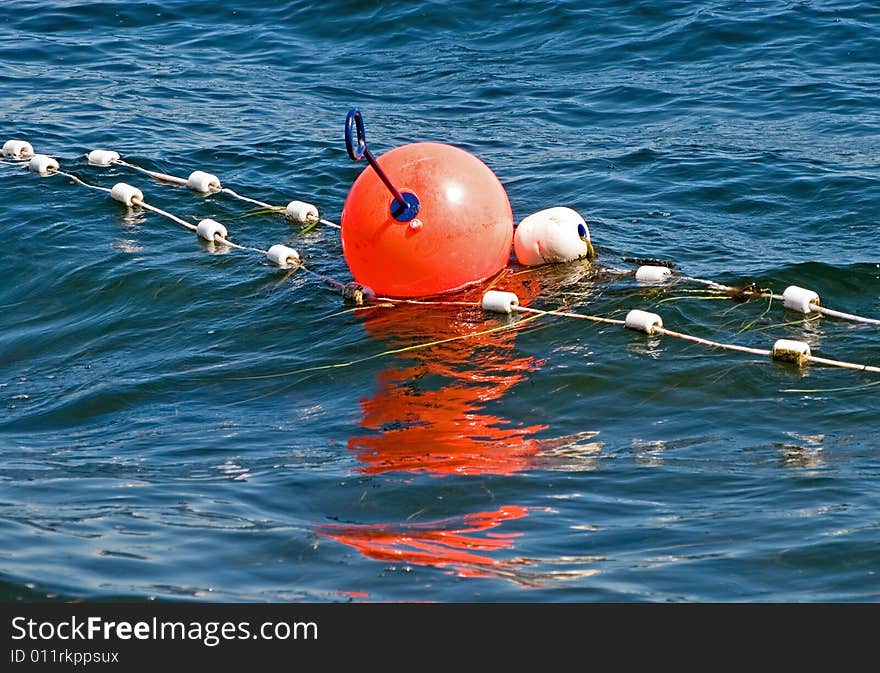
x,y
182,422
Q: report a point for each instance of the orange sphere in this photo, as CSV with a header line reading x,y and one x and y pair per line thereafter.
x,y
461,235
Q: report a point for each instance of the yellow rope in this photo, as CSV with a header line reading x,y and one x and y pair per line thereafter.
x,y
780,324
394,351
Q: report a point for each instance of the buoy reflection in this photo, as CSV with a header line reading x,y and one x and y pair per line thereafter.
x,y
437,415
433,416
463,543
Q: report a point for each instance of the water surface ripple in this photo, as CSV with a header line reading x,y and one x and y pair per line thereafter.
x,y
160,436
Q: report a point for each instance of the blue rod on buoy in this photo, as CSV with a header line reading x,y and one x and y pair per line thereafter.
x,y
406,205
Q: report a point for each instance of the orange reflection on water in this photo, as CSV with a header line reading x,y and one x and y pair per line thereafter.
x,y
431,417
445,543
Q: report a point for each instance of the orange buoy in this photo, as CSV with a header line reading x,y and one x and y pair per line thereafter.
x,y
452,225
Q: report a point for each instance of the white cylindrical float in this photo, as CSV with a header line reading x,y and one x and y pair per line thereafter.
x,y
102,157
499,302
652,274
557,234
125,193
283,256
202,182
17,149
799,299
42,164
302,212
788,350
209,229
642,321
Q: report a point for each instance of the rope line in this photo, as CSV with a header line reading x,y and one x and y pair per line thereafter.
x,y
763,352
159,211
262,204
162,177
568,314
783,350
394,351
814,307
79,181
182,182
845,316
713,344
841,364
217,238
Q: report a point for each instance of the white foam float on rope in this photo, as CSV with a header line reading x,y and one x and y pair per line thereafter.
x,y
17,149
209,230
125,193
495,301
214,232
784,350
300,211
102,157
652,274
789,350
283,256
551,235
800,299
202,182
42,164
643,321
207,183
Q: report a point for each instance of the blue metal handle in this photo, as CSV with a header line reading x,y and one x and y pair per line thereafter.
x,y
355,119
405,206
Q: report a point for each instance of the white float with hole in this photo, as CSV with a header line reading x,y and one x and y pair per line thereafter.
x,y
552,235
209,230
202,182
283,256
125,193
799,299
642,321
652,274
300,211
102,157
788,350
499,302
17,149
42,164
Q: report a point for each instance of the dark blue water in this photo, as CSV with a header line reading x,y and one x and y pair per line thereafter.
x,y
166,428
